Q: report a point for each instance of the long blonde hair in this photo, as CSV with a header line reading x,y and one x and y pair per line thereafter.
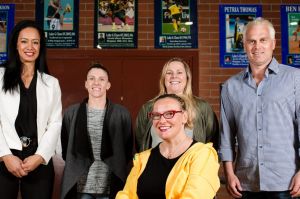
x,y
187,92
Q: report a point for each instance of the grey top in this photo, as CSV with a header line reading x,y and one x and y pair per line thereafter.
x,y
265,120
98,178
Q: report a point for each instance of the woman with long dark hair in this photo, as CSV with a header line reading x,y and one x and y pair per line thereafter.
x,y
30,116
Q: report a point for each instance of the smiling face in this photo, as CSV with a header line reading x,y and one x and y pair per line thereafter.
x,y
175,78
259,45
168,129
97,83
28,45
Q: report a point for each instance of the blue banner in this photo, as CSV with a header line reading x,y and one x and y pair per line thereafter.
x,y
60,20
176,24
7,18
290,34
233,19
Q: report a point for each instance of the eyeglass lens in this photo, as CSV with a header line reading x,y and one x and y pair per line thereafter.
x,y
166,115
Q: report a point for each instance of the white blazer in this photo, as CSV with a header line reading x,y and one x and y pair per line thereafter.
x,y
49,117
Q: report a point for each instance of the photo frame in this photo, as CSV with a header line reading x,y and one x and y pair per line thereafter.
x,y
115,24
7,15
290,34
176,24
233,19
60,21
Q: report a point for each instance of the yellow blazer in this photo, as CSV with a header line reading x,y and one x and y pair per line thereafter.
x,y
49,116
195,174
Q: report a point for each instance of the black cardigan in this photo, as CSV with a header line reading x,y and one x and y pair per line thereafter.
x,y
116,148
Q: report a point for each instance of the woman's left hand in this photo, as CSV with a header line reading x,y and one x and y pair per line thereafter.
x,y
32,162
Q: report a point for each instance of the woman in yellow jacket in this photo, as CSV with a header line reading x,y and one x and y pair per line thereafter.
x,y
178,167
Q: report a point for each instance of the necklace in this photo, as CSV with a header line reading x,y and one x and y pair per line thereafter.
x,y
177,149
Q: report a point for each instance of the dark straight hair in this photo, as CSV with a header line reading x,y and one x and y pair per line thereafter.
x,y
12,75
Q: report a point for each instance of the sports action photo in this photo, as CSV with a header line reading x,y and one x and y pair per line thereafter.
x,y
59,15
232,20
60,19
175,24
115,24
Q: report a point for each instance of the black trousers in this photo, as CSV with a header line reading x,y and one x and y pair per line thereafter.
x,y
267,195
38,184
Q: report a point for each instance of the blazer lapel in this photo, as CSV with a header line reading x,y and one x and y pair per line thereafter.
x,y
10,103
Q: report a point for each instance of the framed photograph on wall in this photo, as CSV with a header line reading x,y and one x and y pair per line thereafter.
x,y
59,19
176,24
115,24
290,34
232,19
7,16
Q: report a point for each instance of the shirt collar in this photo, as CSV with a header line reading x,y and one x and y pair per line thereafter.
x,y
272,68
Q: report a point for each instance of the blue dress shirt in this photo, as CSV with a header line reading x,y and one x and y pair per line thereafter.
x,y
264,120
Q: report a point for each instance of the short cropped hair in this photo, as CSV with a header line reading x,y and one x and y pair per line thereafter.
x,y
98,66
260,21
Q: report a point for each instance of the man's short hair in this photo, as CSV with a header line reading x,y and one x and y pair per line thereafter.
x,y
260,21
98,66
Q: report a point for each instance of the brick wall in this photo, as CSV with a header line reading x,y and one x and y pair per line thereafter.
x,y
210,73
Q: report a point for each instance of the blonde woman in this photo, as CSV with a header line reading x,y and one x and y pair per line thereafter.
x,y
179,167
176,78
